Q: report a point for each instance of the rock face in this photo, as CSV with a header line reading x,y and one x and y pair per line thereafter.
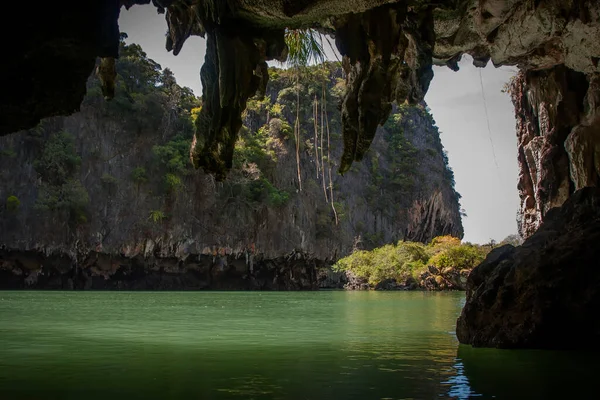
x,y
545,293
102,271
107,199
443,279
558,138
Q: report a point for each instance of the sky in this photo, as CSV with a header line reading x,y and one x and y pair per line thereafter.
x,y
481,146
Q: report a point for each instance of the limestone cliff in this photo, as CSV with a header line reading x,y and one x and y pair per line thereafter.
x,y
558,132
107,198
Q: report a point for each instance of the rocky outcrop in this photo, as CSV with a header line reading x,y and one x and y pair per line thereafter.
x,y
545,293
171,224
448,278
101,271
557,132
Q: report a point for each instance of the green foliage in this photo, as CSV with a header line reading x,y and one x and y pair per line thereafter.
x,y
277,198
398,262
342,210
174,158
60,190
464,256
262,191
447,251
304,46
443,243
12,203
146,97
156,216
254,148
138,72
58,160
108,180
173,183
276,110
71,197
408,259
7,153
138,175
174,155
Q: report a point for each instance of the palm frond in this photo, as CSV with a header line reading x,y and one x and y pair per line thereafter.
x,y
304,46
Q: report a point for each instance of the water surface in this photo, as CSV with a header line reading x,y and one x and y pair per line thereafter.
x,y
263,345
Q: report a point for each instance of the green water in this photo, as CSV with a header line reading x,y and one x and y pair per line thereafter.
x,y
256,345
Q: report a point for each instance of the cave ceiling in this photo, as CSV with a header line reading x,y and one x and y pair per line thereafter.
x,y
388,50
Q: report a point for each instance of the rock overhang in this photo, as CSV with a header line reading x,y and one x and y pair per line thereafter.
x,y
388,48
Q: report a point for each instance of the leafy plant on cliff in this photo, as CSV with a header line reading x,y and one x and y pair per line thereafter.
x,y
156,216
139,176
12,203
71,196
58,160
60,190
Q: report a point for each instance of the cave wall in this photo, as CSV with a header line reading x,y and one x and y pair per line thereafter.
x,y
558,138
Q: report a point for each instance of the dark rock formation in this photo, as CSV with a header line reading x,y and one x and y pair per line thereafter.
x,y
545,293
387,57
46,69
84,219
101,271
443,279
558,133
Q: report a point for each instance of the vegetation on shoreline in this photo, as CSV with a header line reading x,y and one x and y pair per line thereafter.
x,y
406,262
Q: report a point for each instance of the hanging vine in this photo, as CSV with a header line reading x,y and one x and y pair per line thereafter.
x,y
323,112
303,48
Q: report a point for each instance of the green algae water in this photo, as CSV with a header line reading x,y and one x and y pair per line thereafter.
x,y
263,345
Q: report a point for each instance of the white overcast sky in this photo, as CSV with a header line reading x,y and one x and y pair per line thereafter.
x,y
484,160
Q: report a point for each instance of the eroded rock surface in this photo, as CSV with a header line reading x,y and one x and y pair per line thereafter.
x,y
558,138
388,49
101,271
545,293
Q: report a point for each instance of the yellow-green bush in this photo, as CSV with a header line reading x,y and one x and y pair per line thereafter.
x,y
13,203
398,262
464,256
408,259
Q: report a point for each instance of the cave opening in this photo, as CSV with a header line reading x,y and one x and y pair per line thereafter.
x,y
480,143
476,119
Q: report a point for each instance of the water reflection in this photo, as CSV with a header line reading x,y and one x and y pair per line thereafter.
x,y
530,374
459,383
292,346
